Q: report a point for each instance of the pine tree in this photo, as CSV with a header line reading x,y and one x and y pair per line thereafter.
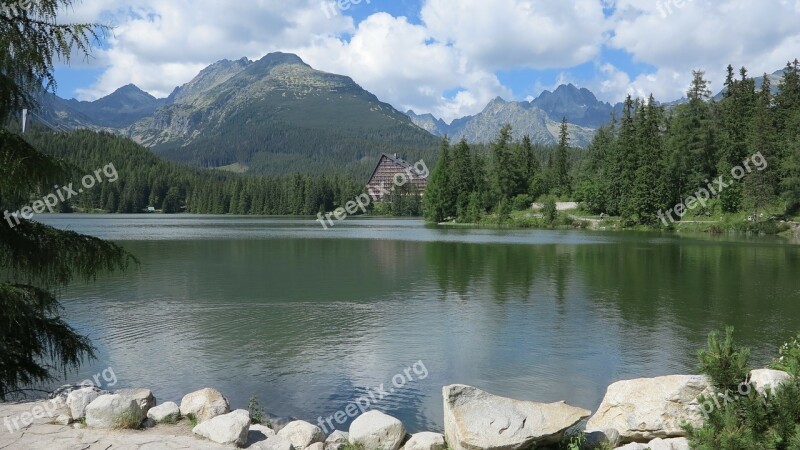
x,y
438,204
503,165
461,176
562,169
35,259
760,185
787,103
649,187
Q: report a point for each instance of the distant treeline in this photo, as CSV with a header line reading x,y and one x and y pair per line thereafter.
x,y
644,163
146,180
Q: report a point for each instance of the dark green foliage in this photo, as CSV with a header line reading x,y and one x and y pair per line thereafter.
x,y
650,161
549,209
35,343
255,410
562,177
788,358
726,364
743,419
147,180
468,181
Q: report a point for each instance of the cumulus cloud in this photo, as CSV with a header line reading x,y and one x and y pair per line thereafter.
x,y
446,60
678,37
159,45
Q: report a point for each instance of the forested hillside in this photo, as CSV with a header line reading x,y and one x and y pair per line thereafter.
x,y
147,180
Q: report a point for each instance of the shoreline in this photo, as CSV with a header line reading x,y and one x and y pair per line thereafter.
x,y
634,414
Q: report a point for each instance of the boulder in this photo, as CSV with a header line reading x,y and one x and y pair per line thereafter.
x,y
659,444
649,408
377,431
316,446
263,429
476,419
63,392
301,434
62,420
337,440
204,404
165,412
602,439
426,441
761,379
79,399
226,429
259,433
114,411
143,397
273,443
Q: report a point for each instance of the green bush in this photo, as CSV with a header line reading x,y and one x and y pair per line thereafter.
x,y
743,419
549,209
788,358
256,411
522,202
723,362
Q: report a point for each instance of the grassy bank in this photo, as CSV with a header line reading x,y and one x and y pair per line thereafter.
x,y
577,219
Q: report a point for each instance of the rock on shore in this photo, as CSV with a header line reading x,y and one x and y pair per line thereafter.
x,y
475,419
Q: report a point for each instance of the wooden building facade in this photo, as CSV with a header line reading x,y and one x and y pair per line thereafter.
x,y
392,173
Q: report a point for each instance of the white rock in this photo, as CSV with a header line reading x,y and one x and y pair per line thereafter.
x,y
474,419
168,411
227,429
62,420
143,397
79,399
204,404
659,444
113,411
761,379
301,434
316,446
263,429
337,440
273,443
377,431
649,408
426,441
259,433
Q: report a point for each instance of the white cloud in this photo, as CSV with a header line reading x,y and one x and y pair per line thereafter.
x,y
159,45
704,35
449,62
505,34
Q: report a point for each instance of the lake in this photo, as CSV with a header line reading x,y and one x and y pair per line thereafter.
x,y
308,320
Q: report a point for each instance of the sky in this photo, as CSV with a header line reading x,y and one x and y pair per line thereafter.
x,y
445,57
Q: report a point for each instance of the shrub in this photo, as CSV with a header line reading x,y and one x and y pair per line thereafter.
x,y
522,202
549,209
723,362
788,358
256,411
744,422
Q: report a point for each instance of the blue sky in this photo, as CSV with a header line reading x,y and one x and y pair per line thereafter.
x,y
447,57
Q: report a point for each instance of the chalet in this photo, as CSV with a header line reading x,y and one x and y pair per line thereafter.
x,y
392,173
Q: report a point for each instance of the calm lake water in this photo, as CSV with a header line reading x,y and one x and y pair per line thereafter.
x,y
308,320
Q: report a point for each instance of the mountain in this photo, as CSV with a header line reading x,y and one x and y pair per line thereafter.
x,y
119,109
524,117
275,115
429,123
579,106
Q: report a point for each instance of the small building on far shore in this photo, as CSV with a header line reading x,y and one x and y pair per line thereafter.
x,y
392,173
